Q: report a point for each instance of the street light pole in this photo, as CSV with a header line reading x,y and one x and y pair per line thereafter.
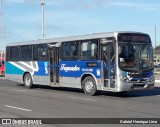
x,y
155,36
1,27
42,4
1,44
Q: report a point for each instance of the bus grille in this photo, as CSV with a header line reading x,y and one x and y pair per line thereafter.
x,y
138,85
138,75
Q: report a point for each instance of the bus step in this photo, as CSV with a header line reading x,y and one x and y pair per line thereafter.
x,y
54,84
105,83
109,89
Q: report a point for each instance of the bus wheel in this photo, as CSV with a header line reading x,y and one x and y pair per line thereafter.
x,y
28,81
89,86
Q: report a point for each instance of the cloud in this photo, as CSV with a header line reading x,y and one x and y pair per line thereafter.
x,y
89,4
21,1
136,5
68,17
11,36
66,4
34,1
13,1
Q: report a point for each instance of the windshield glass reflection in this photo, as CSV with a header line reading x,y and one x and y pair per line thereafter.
x,y
135,56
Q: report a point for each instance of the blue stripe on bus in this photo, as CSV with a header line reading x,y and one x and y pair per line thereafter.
x,y
77,68
43,69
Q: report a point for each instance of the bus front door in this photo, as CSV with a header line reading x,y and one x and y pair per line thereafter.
x,y
108,56
54,65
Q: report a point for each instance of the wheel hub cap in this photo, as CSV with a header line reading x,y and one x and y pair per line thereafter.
x,y
89,86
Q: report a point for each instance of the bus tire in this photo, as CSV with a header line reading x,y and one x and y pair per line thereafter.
x,y
28,80
89,86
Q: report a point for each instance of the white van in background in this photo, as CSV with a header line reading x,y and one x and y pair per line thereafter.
x,y
156,63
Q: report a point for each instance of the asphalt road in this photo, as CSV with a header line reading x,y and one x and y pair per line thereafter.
x,y
16,101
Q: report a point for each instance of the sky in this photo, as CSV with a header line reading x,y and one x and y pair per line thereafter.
x,y
22,19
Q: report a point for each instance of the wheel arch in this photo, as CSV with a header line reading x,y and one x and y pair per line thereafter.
x,y
26,73
86,75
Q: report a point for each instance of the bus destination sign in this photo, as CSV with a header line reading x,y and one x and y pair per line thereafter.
x,y
129,37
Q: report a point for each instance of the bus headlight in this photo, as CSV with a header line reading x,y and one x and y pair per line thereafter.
x,y
152,78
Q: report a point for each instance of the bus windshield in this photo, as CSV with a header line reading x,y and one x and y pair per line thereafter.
x,y
135,56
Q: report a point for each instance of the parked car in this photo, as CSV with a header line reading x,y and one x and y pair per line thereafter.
x,y
2,68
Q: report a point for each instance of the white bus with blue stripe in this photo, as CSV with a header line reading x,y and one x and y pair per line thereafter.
x,y
115,61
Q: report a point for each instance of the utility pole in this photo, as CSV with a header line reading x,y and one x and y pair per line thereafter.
x,y
42,4
1,44
155,36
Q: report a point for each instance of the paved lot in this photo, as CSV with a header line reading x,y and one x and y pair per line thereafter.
x,y
16,101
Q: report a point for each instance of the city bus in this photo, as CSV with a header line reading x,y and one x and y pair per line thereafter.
x,y
111,61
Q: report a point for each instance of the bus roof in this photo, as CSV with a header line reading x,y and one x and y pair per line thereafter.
x,y
71,38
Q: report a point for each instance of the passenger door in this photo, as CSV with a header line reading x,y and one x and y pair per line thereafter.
x,y
54,65
108,58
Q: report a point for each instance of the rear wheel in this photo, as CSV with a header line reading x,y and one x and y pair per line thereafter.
x,y
28,81
89,86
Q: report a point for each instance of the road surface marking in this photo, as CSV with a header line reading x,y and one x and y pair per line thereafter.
x,y
82,98
18,108
19,90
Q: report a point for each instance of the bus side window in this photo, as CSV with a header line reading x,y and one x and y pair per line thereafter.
x,y
40,52
14,53
94,51
65,51
26,53
89,50
8,54
70,51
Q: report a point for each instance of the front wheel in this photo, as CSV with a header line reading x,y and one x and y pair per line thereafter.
x,y
28,81
89,86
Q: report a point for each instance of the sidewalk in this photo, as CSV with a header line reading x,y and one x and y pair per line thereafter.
x,y
157,84
157,80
